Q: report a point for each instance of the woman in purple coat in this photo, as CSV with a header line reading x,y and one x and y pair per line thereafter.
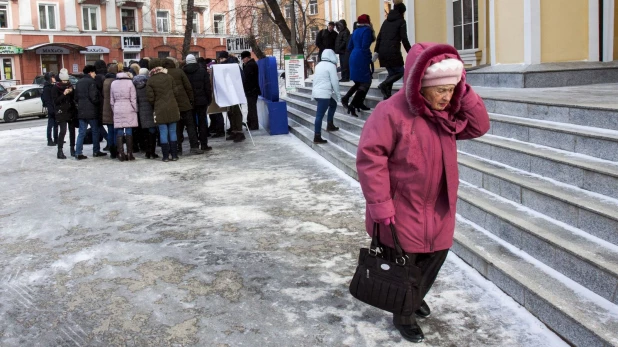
x,y
123,99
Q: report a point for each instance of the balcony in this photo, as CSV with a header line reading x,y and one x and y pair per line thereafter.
x,y
137,3
199,5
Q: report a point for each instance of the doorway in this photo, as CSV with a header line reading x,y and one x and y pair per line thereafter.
x,y
50,63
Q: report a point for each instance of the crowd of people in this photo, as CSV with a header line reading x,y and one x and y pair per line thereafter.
x,y
356,62
148,103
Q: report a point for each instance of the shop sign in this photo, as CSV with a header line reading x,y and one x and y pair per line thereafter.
x,y
294,72
52,50
95,50
5,49
132,43
238,44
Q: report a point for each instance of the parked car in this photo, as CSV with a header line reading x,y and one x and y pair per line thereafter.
x,y
73,78
3,91
24,101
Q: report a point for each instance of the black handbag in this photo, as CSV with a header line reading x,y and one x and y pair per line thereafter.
x,y
384,280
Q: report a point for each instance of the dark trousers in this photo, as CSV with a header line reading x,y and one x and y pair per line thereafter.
x,y
429,265
202,124
52,127
252,114
344,59
234,114
187,120
217,126
63,131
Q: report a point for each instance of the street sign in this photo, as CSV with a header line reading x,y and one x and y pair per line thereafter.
x,y
238,44
132,43
294,71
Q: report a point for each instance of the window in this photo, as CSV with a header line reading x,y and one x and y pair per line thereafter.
x,y
4,16
465,24
128,56
313,7
163,55
219,24
47,17
196,23
32,94
91,58
127,17
7,69
163,22
195,54
89,15
314,33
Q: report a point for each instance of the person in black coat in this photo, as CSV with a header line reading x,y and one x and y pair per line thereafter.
x,y
388,46
48,102
341,48
326,39
88,98
202,91
110,137
64,106
251,85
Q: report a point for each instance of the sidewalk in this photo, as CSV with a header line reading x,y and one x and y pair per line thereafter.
x,y
244,246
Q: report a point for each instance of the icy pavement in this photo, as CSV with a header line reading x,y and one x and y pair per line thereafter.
x,y
244,246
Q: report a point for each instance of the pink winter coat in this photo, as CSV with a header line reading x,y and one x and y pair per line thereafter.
x,y
123,99
407,156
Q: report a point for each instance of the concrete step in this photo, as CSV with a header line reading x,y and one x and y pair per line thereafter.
x,y
579,316
343,160
590,212
342,138
348,123
362,115
595,142
596,175
588,261
374,91
576,313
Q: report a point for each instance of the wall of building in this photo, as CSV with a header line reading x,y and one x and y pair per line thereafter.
x,y
430,21
615,32
509,21
564,30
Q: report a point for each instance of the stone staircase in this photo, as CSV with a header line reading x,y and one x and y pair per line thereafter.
x,y
537,210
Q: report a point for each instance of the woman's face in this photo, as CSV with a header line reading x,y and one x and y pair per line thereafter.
x,y
438,96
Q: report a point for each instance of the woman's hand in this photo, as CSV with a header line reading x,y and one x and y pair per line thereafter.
x,y
386,221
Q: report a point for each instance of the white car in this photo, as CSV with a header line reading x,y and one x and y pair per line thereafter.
x,y
24,101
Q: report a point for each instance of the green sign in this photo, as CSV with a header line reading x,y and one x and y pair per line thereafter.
x,y
290,57
5,49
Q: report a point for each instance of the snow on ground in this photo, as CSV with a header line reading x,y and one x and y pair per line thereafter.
x,y
244,246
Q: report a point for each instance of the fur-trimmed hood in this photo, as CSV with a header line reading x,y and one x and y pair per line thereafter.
x,y
420,57
157,70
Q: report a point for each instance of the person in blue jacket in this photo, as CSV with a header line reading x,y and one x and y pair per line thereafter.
x,y
360,64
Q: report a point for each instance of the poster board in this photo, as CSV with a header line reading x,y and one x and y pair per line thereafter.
x,y
294,72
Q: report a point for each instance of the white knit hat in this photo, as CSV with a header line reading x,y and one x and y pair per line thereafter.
x,y
448,71
64,75
143,71
190,59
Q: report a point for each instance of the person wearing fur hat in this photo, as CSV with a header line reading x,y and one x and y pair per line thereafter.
x,y
87,97
360,65
341,48
325,39
392,34
407,164
65,111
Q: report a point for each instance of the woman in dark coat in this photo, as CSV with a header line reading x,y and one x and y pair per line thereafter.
x,y
161,91
360,64
62,96
145,112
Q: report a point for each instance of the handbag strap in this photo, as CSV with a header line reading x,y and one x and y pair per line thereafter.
x,y
400,255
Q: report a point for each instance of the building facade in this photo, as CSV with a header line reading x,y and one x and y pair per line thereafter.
x,y
37,36
508,31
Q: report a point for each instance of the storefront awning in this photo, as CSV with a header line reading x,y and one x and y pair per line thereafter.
x,y
54,48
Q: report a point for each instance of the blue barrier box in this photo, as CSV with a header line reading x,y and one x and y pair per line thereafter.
x,y
273,116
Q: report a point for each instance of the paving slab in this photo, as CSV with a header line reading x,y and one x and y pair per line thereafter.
x,y
243,246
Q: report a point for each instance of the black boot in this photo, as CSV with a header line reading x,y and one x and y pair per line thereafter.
x,y
359,99
72,151
130,147
346,97
120,148
165,149
113,151
317,138
178,149
51,143
412,333
60,154
423,311
331,127
386,87
152,144
240,137
174,150
384,90
352,110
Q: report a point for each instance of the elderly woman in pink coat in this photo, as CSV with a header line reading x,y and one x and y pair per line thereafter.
x,y
123,99
407,164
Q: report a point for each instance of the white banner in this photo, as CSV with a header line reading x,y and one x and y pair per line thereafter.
x,y
228,87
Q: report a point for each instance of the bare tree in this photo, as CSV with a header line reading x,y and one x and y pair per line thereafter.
x,y
186,43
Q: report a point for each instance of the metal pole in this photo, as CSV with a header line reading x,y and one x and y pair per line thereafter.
x,y
293,29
